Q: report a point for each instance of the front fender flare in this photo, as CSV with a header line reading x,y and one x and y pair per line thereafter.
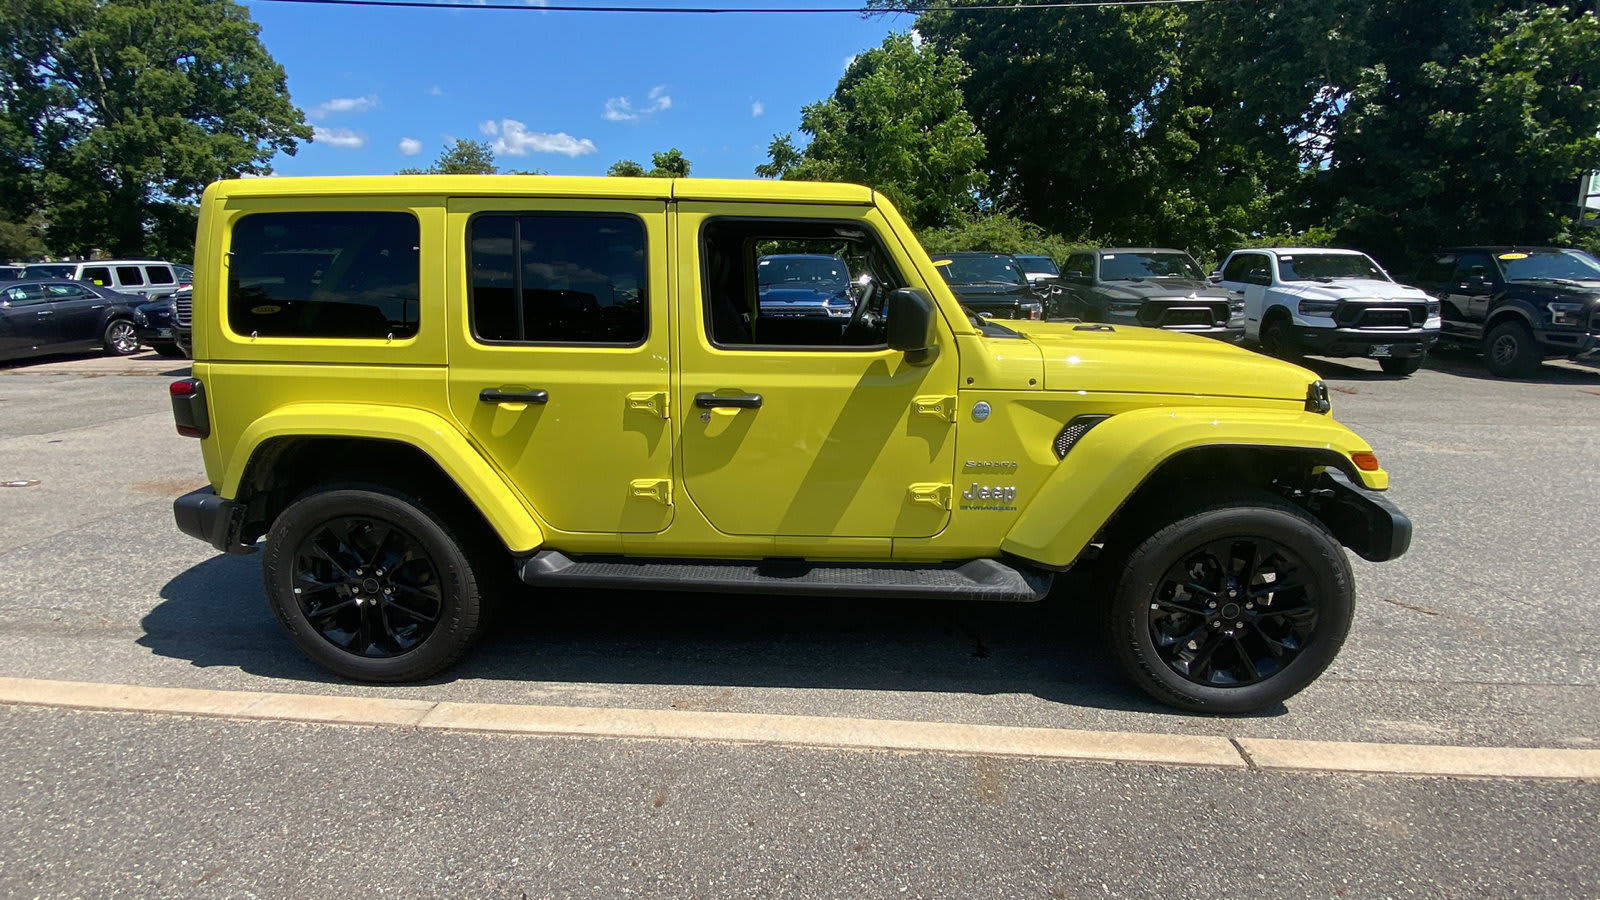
x,y
488,490
1109,463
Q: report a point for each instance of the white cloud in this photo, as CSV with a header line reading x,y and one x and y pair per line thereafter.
x,y
621,109
435,91
489,128
343,138
343,105
410,146
516,140
756,109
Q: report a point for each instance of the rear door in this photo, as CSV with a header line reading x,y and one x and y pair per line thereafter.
x,y
559,368
1243,276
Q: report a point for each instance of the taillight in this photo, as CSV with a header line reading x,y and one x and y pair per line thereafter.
x,y
189,407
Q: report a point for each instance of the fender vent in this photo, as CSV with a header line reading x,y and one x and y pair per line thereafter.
x,y
1075,429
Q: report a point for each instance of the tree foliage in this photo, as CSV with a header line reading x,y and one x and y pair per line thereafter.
x,y
115,114
896,122
995,233
463,157
668,164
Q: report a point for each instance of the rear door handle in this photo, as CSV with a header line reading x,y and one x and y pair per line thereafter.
x,y
741,401
495,395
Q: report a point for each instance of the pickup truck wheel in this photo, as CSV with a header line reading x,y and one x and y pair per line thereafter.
x,y
1233,607
1511,352
1400,365
120,339
1277,340
371,585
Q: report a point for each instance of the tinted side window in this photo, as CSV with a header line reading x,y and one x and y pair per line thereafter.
x,y
324,274
158,274
1239,266
1469,264
129,275
558,279
96,275
1080,264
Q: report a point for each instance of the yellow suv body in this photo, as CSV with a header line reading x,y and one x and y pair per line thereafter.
x,y
414,385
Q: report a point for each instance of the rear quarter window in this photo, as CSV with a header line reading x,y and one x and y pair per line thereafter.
x,y
325,275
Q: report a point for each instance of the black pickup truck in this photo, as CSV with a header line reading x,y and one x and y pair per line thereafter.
x,y
1518,305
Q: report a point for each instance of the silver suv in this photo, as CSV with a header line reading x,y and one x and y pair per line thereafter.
x,y
151,279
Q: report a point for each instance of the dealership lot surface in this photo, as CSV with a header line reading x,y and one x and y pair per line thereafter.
x,y
1483,636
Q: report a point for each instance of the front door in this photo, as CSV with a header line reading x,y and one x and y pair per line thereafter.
x,y
560,370
27,322
78,313
798,426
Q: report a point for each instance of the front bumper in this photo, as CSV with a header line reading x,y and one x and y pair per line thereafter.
x,y
217,521
1363,520
1363,341
1233,334
1568,341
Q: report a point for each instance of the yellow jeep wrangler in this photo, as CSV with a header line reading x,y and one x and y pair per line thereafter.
x,y
412,386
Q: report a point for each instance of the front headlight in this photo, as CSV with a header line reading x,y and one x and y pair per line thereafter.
x,y
139,319
1433,308
1318,307
1567,313
1033,310
1236,307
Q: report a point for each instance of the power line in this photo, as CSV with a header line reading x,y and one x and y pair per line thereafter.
x,y
535,6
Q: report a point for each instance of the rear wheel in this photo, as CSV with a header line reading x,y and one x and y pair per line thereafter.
x,y
119,338
1232,607
1510,350
1278,340
1403,365
371,585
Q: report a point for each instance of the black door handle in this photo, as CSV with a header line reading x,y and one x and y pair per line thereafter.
x,y
742,401
495,395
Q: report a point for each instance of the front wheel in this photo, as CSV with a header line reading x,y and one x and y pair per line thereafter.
x,y
120,339
1233,607
1400,365
1511,352
371,585
1277,340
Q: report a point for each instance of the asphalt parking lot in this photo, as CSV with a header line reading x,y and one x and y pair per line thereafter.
x,y
1484,635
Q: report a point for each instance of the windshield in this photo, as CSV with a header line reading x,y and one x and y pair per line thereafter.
x,y
1327,266
1567,265
50,271
1137,266
982,270
1038,265
826,274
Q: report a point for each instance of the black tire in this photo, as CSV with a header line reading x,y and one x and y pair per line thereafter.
x,y
1401,365
120,338
1176,642
172,351
354,574
184,341
1278,340
1510,351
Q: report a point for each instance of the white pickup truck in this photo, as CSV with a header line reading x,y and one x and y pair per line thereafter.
x,y
1323,302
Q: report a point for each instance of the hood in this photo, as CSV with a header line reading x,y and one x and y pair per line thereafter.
x,y
1122,359
990,291
1588,289
1161,288
1350,288
796,295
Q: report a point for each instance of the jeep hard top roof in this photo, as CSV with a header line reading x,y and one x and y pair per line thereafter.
x,y
749,190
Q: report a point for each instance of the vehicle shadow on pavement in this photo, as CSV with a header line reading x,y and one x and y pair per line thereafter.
x,y
214,614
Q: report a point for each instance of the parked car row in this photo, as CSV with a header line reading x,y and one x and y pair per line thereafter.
x,y
1516,305
148,278
114,305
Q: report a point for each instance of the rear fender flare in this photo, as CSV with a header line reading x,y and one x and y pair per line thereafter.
x,y
1110,463
487,488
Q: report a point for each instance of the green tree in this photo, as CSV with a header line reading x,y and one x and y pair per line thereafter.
x,y
995,233
1415,123
626,168
119,112
463,157
895,122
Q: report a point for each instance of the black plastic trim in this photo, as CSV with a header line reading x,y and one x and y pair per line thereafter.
x,y
741,401
1361,519
202,514
495,395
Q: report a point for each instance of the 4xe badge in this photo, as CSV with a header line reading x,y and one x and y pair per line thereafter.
x,y
997,498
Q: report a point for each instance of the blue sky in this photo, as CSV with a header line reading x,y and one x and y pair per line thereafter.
x,y
569,93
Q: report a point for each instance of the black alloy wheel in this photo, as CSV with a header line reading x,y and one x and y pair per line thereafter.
x,y
1233,606
120,338
371,584
1278,341
367,587
1510,351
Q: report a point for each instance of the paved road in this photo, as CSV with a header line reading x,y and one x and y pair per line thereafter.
x,y
1483,635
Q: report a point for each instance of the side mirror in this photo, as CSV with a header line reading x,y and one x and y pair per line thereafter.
x,y
910,314
1215,277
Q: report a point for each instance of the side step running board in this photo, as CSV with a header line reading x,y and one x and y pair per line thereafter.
x,y
978,579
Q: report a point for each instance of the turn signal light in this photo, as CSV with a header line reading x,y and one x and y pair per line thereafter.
x,y
1365,460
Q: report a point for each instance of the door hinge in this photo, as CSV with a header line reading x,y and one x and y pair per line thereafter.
x,y
935,495
657,489
653,402
942,408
